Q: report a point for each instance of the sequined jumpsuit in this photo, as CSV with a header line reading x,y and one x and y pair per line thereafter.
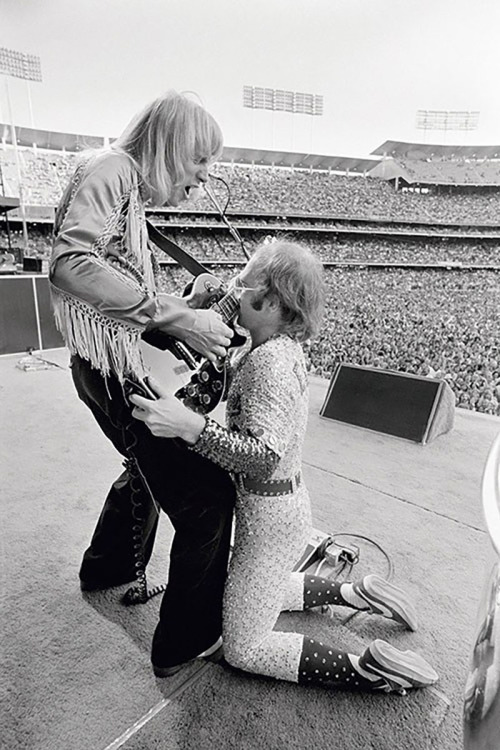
x,y
266,416
266,422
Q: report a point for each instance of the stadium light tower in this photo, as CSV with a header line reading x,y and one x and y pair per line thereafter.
x,y
444,119
16,64
278,100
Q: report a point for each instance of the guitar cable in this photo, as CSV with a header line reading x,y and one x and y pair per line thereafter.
x,y
343,562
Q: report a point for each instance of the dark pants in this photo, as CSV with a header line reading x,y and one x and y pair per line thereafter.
x,y
197,496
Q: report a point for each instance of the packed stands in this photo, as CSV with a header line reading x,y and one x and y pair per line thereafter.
x,y
418,321
280,191
441,172
421,321
439,165
412,265
216,246
43,174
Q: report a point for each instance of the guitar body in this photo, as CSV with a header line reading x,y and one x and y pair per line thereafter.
x,y
205,388
199,383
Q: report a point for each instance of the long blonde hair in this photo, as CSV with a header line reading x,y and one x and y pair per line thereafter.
x,y
163,136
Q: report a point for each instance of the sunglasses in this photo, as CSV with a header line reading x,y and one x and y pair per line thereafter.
x,y
237,288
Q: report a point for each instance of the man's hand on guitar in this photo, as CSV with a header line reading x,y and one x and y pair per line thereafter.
x,y
167,416
202,329
209,335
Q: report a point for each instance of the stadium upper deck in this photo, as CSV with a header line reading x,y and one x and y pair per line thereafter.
x,y
432,164
429,185
400,151
72,142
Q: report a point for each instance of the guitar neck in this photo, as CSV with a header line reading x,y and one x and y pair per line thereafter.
x,y
228,306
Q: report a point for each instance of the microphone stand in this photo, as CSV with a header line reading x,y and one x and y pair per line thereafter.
x,y
233,231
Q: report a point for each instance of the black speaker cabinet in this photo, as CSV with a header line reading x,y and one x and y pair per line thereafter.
x,y
26,318
32,265
394,403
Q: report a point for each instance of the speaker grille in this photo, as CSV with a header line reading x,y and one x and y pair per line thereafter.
x,y
382,400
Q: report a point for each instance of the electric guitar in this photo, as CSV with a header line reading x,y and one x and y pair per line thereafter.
x,y
199,383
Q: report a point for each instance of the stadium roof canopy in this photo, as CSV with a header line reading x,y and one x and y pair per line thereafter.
x,y
260,157
7,204
419,151
76,142
51,140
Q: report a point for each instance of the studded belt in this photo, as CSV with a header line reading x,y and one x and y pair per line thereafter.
x,y
269,487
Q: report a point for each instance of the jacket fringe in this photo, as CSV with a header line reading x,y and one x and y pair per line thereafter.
x,y
136,234
110,346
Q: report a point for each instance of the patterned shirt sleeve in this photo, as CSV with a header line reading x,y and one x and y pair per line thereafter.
x,y
241,454
91,217
269,389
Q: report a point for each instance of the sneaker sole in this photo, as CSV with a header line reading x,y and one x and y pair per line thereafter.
x,y
169,671
213,654
404,669
388,600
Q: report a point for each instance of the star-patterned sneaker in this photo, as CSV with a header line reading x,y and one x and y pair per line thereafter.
x,y
383,598
395,671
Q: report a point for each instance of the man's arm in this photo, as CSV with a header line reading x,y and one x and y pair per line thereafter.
x,y
79,265
98,279
167,417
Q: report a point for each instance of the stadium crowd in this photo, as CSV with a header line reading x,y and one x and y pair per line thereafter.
x,y
207,219
452,171
429,318
275,189
214,244
436,323
425,322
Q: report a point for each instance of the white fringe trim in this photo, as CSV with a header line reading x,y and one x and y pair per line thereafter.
x,y
109,347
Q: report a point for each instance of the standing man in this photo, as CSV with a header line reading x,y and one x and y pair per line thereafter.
x,y
104,296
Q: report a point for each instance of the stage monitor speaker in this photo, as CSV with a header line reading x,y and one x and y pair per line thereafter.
x,y
394,403
32,265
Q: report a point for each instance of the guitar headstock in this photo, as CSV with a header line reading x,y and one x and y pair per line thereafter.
x,y
206,290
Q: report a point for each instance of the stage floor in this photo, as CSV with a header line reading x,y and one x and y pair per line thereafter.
x,y
77,666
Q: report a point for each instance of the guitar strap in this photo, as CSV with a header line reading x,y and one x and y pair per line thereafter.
x,y
177,253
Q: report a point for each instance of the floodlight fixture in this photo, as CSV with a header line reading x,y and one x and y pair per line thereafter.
x,y
20,65
441,119
28,68
279,100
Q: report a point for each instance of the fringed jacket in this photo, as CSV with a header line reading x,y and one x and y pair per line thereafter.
x,y
102,270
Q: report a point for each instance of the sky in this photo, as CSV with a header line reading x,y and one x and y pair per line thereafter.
x,y
375,62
